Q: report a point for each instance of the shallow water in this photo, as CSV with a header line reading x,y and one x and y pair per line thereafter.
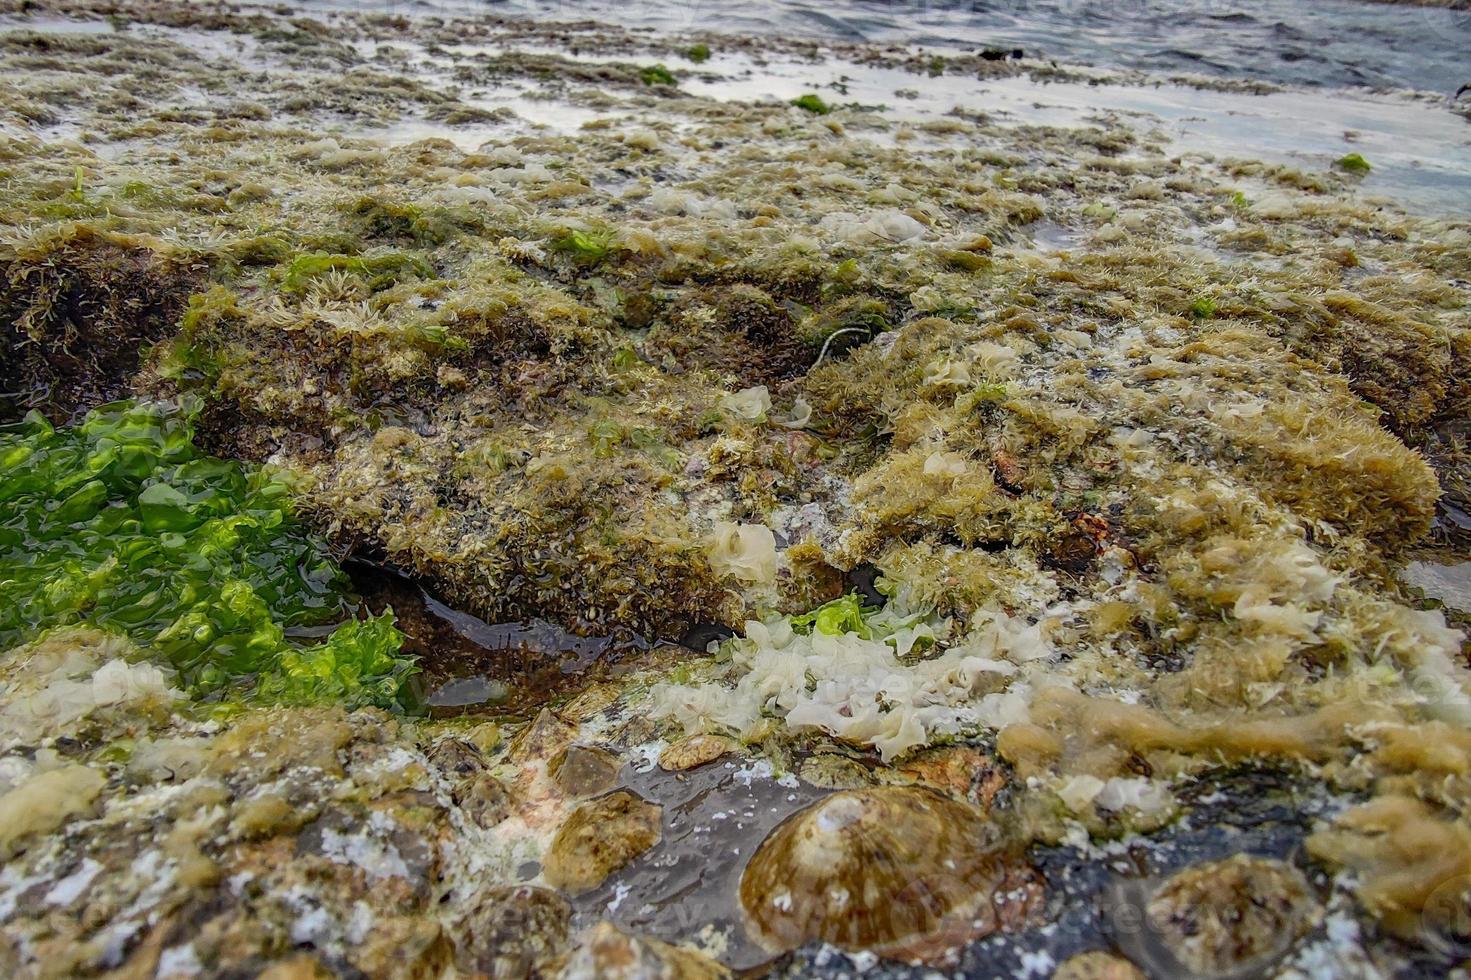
x,y
1451,584
715,817
1326,42
1419,151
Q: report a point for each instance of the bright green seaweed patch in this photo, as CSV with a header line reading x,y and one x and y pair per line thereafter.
x,y
123,524
812,102
382,269
1353,163
657,75
844,614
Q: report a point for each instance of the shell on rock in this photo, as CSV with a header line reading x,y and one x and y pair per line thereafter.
x,y
1097,965
601,836
1234,917
696,750
483,798
456,757
899,870
541,739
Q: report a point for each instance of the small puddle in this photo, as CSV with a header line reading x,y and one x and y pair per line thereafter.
x,y
1451,584
469,665
688,886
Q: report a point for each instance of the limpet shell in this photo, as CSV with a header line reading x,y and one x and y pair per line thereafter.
x,y
1229,918
900,870
697,750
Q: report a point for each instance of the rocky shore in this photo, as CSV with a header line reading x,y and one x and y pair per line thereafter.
x,y
932,539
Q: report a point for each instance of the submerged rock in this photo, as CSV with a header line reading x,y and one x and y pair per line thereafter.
x,y
902,871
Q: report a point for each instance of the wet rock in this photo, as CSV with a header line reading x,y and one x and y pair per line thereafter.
x,y
961,771
542,739
828,771
600,837
301,967
697,750
605,953
591,702
404,946
1097,965
639,730
1233,917
581,770
512,931
483,798
898,870
456,757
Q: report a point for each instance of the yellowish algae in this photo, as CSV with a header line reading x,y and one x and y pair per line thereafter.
x,y
1136,505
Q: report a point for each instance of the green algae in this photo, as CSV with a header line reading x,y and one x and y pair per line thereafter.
x,y
698,53
121,523
657,75
1353,163
380,270
842,615
812,102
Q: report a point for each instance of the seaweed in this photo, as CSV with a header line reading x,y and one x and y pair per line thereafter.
x,y
657,75
812,102
381,271
121,523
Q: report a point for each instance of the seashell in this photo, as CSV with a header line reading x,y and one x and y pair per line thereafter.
x,y
1097,965
510,931
1230,918
899,870
697,750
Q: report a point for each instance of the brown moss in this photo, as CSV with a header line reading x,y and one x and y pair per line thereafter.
x,y
78,307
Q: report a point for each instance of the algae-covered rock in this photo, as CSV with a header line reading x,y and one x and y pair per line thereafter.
x,y
46,802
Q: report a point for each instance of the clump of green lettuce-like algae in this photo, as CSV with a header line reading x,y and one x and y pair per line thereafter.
x,y
122,523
